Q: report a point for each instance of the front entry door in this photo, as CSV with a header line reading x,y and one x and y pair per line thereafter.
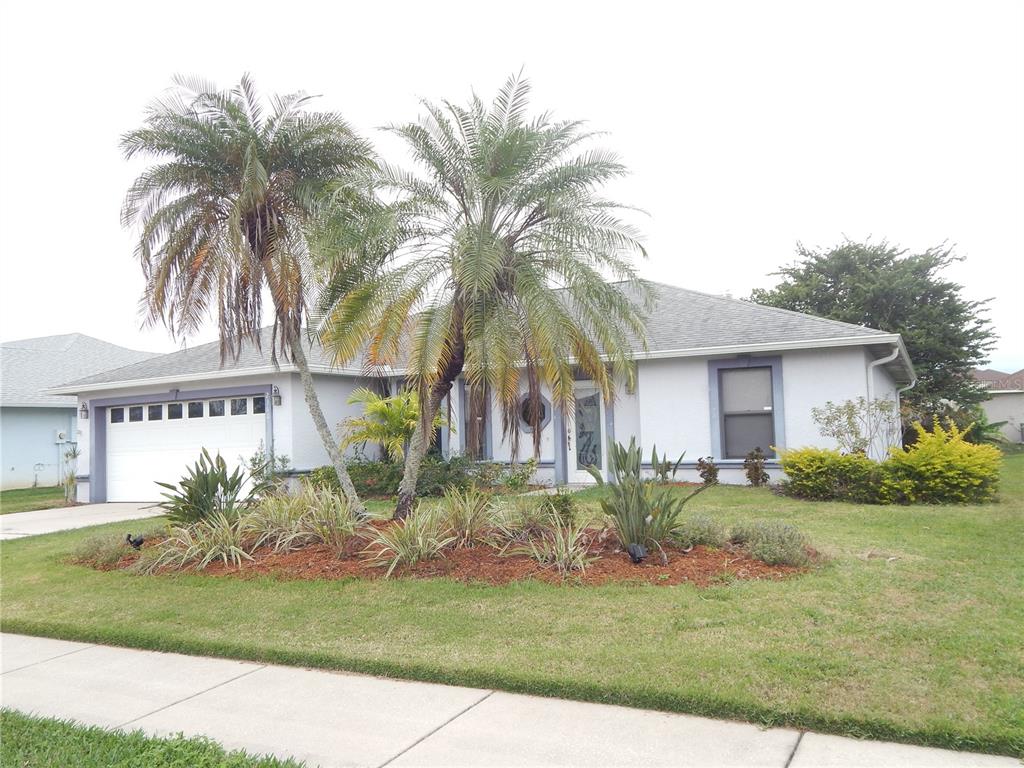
x,y
585,438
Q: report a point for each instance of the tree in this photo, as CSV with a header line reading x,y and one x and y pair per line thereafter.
x,y
502,276
886,287
389,420
224,211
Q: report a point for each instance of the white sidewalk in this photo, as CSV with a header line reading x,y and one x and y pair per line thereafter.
x,y
337,719
19,524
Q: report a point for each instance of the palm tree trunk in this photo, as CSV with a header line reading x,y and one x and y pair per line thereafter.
x,y
320,421
418,447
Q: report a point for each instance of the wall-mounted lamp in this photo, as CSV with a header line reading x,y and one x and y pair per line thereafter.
x,y
276,393
83,411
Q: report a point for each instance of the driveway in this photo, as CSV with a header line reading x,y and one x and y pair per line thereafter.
x,y
20,524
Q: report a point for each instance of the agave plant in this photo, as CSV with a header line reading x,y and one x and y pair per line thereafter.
x,y
208,489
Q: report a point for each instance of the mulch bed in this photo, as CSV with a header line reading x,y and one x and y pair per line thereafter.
x,y
701,566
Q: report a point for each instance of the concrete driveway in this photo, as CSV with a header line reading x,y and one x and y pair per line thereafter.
x,y
20,524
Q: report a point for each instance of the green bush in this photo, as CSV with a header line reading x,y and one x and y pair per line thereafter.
x,y
941,467
381,478
772,542
700,529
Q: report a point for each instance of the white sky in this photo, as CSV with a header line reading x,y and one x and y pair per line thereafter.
x,y
747,126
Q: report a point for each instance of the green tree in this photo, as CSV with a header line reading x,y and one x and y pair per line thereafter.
x,y
502,277
223,213
388,420
886,287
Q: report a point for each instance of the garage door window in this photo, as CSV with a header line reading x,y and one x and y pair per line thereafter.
x,y
216,408
135,413
116,415
239,406
174,410
259,404
156,412
195,410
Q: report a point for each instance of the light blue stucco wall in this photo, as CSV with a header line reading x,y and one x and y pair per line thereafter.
x,y
28,449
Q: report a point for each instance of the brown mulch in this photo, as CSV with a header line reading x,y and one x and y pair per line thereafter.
x,y
701,566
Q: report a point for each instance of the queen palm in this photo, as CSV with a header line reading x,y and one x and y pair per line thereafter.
x,y
223,214
503,275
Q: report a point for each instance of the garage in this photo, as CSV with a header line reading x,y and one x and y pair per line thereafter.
x,y
160,440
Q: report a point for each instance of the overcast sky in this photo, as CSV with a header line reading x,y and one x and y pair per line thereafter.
x,y
747,126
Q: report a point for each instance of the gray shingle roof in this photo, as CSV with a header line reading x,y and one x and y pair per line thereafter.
x,y
28,367
680,320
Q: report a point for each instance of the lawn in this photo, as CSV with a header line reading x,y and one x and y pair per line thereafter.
x,y
910,632
30,499
39,742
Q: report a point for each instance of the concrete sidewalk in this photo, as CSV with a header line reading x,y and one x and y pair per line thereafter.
x,y
337,719
19,524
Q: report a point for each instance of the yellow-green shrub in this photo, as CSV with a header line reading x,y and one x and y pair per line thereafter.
x,y
941,467
825,475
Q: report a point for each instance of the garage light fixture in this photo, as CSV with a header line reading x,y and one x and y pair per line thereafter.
x,y
83,411
277,395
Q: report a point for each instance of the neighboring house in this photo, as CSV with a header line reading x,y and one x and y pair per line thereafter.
x,y
719,377
1006,401
37,428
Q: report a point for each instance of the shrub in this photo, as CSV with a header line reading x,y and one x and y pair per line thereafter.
x,y
700,529
313,516
824,475
423,535
562,504
941,467
209,490
467,514
772,542
329,519
516,520
561,544
216,537
754,468
381,478
860,425
708,470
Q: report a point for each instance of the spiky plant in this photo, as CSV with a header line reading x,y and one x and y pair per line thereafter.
x,y
504,272
223,213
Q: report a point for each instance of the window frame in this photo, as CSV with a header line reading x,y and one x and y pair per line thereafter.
x,y
209,408
715,367
244,403
120,411
132,409
181,411
202,409
159,410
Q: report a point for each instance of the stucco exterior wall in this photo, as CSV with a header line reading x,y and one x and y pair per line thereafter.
x,y
29,451
1008,407
305,448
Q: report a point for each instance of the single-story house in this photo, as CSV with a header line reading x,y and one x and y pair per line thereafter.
x,y
1005,401
718,378
37,429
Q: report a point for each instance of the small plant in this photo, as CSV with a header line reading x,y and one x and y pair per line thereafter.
x,y
209,490
560,544
468,514
562,504
772,542
330,519
663,469
270,468
860,426
700,530
70,480
708,470
516,520
423,535
754,468
516,477
216,537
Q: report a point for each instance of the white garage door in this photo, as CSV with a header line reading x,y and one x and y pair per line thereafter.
x,y
146,443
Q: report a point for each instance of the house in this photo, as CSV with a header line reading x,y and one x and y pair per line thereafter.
x,y
1005,401
718,378
37,428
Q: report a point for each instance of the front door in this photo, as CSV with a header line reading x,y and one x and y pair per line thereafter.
x,y
585,438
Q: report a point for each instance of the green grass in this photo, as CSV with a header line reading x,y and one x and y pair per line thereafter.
x,y
910,632
31,499
39,742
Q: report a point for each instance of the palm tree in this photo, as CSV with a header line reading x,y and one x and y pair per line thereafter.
x,y
223,214
389,420
503,272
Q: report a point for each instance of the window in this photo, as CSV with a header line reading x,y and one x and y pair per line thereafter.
x,y
195,410
116,415
135,413
216,408
526,411
748,420
156,412
239,406
259,404
174,410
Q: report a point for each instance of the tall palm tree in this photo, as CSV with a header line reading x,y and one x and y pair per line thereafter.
x,y
504,271
223,215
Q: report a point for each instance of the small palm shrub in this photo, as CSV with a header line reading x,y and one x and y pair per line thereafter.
x,y
561,544
207,490
468,514
216,537
773,542
700,530
422,535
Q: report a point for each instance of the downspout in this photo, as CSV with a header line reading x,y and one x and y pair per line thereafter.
x,y
871,373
